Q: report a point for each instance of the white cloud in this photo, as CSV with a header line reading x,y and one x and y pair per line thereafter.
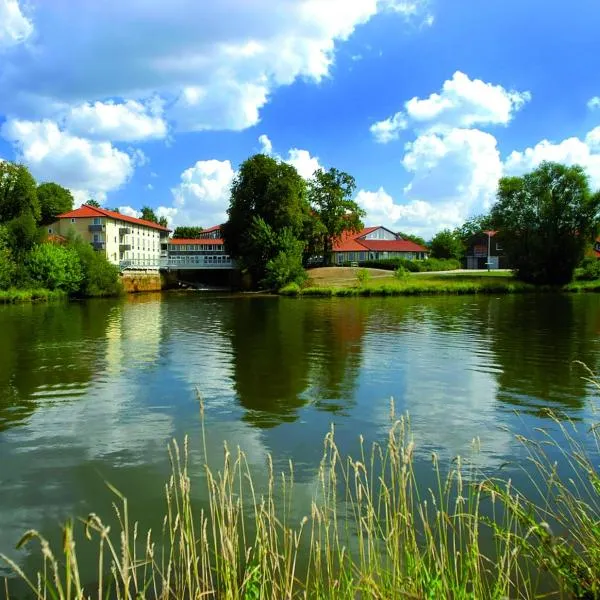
x,y
15,27
462,103
571,151
202,196
149,187
266,146
305,164
87,168
129,211
389,129
125,122
213,71
594,103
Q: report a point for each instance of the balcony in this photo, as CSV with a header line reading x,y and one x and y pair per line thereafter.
x,y
124,231
98,245
124,247
95,228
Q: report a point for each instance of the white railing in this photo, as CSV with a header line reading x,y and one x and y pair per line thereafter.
x,y
178,262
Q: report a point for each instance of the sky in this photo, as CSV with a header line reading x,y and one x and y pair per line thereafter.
x,y
427,103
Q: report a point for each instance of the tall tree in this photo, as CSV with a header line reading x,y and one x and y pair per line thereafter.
x,y
330,196
267,196
447,244
163,221
148,214
187,232
94,203
54,200
18,192
474,225
546,219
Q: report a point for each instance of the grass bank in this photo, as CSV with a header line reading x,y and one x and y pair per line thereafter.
x,y
16,296
370,531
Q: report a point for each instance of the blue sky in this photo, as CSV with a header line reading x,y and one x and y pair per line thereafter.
x,y
425,102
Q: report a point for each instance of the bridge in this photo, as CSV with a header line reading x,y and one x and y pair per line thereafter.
x,y
179,263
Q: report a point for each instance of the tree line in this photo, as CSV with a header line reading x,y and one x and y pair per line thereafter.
x,y
70,265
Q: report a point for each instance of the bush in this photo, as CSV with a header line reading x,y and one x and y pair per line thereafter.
x,y
362,276
401,273
287,266
589,269
291,289
99,277
54,268
414,266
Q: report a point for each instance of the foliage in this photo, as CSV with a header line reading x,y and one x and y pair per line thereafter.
x,y
18,192
447,244
148,214
22,233
414,266
411,237
286,267
17,296
546,220
8,267
187,232
473,226
99,276
291,289
373,528
267,196
362,276
163,222
401,273
330,196
54,200
94,203
589,269
54,267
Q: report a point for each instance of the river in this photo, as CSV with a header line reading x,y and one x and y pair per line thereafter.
x,y
94,391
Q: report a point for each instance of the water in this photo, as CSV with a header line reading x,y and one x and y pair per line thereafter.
x,y
94,391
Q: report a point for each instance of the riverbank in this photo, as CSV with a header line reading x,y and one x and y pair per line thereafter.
x,y
340,281
18,296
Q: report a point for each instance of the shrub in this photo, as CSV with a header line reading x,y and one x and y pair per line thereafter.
x,y
291,289
362,276
401,273
54,268
589,269
287,266
99,277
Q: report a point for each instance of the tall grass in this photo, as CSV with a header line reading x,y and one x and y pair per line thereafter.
x,y
16,296
372,530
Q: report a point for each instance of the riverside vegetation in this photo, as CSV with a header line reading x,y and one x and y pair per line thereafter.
x,y
371,530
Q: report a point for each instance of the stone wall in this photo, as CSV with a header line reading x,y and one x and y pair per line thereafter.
x,y
143,281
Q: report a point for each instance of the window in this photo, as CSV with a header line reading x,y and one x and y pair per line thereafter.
x,y
96,237
97,221
72,220
498,247
49,229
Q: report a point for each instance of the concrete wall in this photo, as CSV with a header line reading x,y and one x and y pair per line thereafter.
x,y
141,281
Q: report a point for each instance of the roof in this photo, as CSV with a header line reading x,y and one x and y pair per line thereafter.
x,y
210,229
195,241
86,211
354,242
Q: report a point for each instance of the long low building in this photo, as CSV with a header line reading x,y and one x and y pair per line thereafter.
x,y
125,240
375,243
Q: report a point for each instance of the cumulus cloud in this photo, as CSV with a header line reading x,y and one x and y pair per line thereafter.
x,y
572,151
462,103
128,121
266,146
15,27
594,103
87,168
130,212
194,55
202,196
305,164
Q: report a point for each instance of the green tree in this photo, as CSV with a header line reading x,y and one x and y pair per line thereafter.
x,y
330,196
94,203
267,196
54,200
148,214
8,267
411,237
447,244
54,267
99,277
163,221
474,225
546,220
18,192
22,234
187,233
286,267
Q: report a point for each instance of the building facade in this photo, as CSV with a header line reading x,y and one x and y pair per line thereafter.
x,y
375,243
485,248
205,252
126,241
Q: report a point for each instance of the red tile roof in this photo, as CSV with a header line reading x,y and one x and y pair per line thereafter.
x,y
354,242
86,211
213,228
195,241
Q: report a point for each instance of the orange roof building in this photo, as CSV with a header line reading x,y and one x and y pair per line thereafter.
x,y
375,243
123,239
